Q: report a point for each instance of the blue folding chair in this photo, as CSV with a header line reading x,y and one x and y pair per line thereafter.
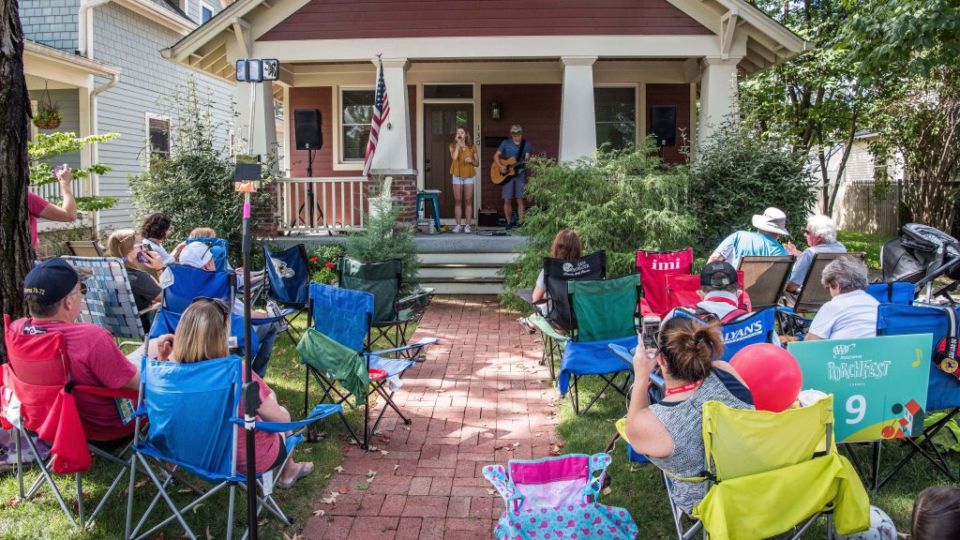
x,y
288,281
943,393
219,248
894,292
757,327
332,351
194,427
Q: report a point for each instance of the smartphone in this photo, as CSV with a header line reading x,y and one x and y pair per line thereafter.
x,y
142,257
649,328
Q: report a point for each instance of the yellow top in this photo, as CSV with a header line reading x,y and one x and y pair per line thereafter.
x,y
459,167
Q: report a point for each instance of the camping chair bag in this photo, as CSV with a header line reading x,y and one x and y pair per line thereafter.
x,y
556,498
288,275
556,274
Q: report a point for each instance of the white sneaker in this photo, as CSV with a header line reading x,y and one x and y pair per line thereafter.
x,y
456,229
466,229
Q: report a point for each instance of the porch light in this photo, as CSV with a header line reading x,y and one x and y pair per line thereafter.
x,y
494,110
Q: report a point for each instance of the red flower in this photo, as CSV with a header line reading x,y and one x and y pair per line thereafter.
x,y
329,265
314,259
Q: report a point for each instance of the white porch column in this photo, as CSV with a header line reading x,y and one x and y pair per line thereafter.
x,y
578,126
394,155
264,141
718,94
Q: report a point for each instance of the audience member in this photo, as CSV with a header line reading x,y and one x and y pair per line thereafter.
x,y
125,244
38,207
669,432
202,335
720,293
852,312
155,230
936,514
772,224
566,245
200,255
821,235
54,296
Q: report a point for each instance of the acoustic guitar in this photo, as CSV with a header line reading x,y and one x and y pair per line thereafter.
x,y
512,169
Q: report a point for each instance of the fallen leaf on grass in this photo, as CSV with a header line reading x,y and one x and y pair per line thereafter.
x,y
296,536
196,508
209,536
339,469
13,502
607,491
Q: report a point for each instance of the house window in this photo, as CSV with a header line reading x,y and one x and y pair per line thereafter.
x,y
206,12
158,136
448,91
663,124
616,116
356,110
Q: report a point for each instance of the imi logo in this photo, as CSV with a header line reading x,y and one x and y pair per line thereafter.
x,y
666,264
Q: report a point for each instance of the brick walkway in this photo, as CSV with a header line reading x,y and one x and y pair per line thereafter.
x,y
480,398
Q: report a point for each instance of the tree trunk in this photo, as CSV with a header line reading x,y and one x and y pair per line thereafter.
x,y
16,252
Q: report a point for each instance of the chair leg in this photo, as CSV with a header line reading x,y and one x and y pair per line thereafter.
x,y
46,476
575,396
79,479
306,391
16,431
130,491
230,505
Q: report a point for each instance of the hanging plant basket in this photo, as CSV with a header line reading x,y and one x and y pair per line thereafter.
x,y
48,116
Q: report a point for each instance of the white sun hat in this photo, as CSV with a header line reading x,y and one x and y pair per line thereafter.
x,y
772,220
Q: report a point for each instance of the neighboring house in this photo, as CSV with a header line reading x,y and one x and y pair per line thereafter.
x,y
575,76
100,62
861,204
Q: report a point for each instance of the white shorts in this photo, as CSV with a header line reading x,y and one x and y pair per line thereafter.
x,y
463,180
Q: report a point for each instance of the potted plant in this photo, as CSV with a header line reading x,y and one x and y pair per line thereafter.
x,y
48,115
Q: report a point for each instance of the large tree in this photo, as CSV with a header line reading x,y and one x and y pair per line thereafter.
x,y
15,249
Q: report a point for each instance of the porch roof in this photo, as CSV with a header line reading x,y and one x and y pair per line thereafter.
x,y
233,32
70,69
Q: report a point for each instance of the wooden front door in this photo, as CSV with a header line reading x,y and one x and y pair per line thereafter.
x,y
441,122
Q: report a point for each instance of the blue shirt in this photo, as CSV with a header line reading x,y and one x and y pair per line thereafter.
x,y
748,244
805,260
509,149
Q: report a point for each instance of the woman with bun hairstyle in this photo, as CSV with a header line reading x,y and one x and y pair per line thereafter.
x,y
669,432
936,514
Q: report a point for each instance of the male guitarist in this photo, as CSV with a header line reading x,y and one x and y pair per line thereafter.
x,y
513,188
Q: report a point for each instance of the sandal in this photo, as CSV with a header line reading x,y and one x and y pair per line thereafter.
x,y
305,470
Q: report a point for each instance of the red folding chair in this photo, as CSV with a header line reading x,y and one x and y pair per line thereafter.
x,y
654,267
38,397
682,291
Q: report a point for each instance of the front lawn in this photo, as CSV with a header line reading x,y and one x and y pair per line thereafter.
x,y
865,242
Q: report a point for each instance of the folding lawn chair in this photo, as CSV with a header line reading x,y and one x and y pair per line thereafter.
x,y
654,267
109,301
555,321
392,314
85,248
556,497
604,313
194,426
682,291
37,396
943,393
895,292
743,331
765,277
812,295
288,277
219,248
332,351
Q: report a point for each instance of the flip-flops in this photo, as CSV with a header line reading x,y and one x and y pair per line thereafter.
x,y
305,470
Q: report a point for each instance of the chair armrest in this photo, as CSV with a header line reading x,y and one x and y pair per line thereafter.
x,y
621,353
423,343
547,329
150,309
415,296
117,393
318,413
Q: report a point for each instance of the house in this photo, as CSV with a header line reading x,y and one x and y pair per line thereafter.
x,y
575,74
99,62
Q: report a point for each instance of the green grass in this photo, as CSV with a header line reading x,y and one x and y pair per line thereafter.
x,y
865,242
41,517
639,488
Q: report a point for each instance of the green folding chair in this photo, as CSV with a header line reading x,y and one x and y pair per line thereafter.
x,y
392,314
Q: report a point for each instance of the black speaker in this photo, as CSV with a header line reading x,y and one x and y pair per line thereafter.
x,y
306,127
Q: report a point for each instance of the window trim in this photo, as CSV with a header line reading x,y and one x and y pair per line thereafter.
x,y
211,6
637,89
339,164
148,149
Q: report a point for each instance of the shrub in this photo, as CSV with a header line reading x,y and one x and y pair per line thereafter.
x,y
47,147
385,238
322,260
738,175
624,200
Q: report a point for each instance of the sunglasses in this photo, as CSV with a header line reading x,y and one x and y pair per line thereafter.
x,y
83,289
221,306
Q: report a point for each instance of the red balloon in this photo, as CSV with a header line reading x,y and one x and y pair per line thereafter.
x,y
772,374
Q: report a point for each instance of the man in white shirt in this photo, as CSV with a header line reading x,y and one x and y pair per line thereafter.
x,y
852,313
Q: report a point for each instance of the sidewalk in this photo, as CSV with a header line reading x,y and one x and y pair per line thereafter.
x,y
480,398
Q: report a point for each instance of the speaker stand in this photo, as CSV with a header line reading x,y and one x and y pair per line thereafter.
x,y
311,197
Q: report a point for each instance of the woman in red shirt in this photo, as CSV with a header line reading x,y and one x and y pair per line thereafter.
x,y
38,207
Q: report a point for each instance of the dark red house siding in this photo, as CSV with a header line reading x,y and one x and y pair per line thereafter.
x,y
536,107
346,19
679,96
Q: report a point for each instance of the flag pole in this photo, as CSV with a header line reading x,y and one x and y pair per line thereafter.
x,y
251,392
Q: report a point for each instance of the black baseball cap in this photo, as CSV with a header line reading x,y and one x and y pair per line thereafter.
x,y
51,281
718,274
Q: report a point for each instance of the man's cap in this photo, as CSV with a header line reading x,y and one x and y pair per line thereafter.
x,y
772,220
196,254
516,128
51,281
718,274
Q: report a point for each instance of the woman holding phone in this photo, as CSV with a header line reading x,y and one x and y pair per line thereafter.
x,y
463,170
127,245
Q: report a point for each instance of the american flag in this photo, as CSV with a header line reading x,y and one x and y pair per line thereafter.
x,y
381,109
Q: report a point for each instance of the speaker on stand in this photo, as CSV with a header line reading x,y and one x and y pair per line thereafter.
x,y
309,137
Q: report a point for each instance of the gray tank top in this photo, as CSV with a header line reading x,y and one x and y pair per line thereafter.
x,y
684,421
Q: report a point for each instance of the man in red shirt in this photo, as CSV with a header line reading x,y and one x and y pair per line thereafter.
x,y
54,296
38,207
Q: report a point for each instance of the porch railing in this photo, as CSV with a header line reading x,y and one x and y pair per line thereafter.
x,y
321,205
